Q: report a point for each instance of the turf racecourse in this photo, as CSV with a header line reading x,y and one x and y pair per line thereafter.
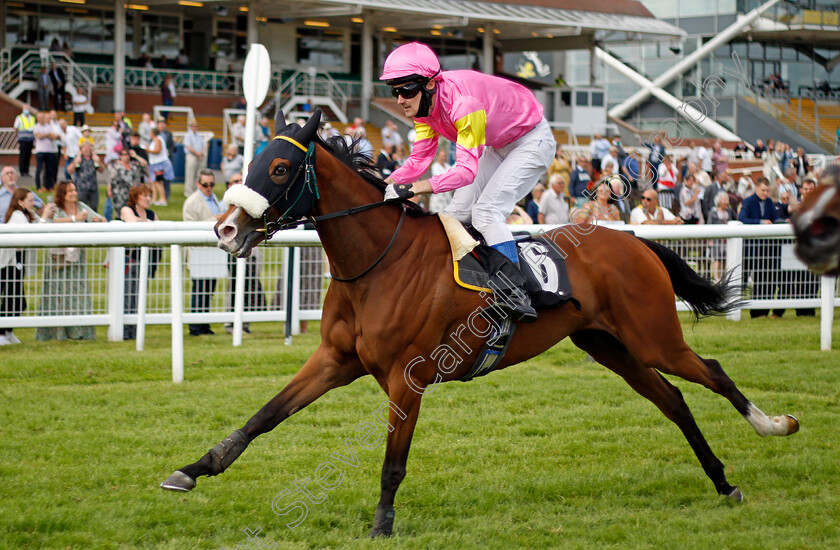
x,y
555,453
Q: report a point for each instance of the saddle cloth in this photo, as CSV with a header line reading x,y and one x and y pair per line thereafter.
x,y
547,282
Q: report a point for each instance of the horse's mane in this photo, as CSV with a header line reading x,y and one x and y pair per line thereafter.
x,y
363,165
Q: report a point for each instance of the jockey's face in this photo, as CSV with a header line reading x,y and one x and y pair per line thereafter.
x,y
412,105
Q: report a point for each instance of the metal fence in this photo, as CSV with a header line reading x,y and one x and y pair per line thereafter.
x,y
83,275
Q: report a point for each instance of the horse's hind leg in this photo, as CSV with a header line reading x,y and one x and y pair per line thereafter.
x,y
708,372
611,353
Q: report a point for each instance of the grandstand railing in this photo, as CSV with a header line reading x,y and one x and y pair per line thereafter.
x,y
9,146
709,249
25,69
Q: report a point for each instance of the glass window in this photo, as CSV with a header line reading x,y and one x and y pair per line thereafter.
x,y
566,98
161,35
597,99
582,99
320,48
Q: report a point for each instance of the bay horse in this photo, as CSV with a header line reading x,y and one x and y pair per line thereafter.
x,y
392,300
817,225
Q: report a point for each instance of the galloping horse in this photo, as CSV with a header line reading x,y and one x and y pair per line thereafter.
x,y
817,226
393,300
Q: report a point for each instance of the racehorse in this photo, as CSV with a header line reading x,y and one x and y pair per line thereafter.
x,y
392,300
817,225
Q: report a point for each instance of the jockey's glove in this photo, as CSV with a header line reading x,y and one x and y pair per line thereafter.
x,y
398,191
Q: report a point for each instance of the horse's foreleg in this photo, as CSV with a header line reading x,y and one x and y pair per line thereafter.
x,y
404,408
321,373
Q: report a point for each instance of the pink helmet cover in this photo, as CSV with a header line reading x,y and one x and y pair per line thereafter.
x,y
409,59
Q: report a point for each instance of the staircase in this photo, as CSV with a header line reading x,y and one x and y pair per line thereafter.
x,y
21,75
815,121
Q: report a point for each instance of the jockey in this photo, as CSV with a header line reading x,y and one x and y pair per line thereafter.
x,y
503,146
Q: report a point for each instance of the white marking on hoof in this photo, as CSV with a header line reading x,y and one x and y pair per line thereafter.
x,y
735,495
179,481
766,426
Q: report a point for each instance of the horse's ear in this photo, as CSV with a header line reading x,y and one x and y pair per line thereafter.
x,y
279,122
311,127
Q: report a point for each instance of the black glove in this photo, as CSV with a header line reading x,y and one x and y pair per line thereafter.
x,y
398,191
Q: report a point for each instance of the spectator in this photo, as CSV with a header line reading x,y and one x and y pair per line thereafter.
x,y
59,82
113,142
598,149
554,203
787,185
67,51
801,283
80,105
610,164
620,191
385,163
631,170
263,135
135,210
55,125
125,174
202,205
760,148
598,209
559,164
722,213
519,217
532,201
363,146
786,206
8,185
87,136
167,91
145,130
704,158
25,130
439,201
84,169
70,137
691,211
45,153
134,145
44,89
657,153
13,263
650,213
254,295
702,178
667,182
709,194
761,256
237,133
232,162
746,186
195,149
579,181
800,164
66,290
391,135
182,61
772,166
169,142
720,162
160,168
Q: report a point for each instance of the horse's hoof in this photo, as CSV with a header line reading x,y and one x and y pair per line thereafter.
x,y
735,495
377,532
793,424
179,481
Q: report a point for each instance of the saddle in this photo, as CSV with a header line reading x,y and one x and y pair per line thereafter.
x,y
541,263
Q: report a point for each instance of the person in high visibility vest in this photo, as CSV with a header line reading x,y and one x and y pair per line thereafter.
x,y
24,127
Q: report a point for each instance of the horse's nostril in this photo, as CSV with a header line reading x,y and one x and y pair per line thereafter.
x,y
228,232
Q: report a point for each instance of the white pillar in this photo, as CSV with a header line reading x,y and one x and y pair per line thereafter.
x,y
176,279
826,311
253,29
367,65
238,301
142,293
119,55
116,293
734,264
487,58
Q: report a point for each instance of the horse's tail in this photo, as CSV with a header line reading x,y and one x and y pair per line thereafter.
x,y
704,297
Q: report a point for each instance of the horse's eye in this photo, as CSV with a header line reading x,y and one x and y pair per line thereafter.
x,y
280,171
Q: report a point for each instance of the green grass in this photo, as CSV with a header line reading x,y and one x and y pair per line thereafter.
x,y
554,453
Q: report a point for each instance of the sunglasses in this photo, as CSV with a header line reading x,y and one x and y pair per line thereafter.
x,y
236,181
207,185
646,199
407,91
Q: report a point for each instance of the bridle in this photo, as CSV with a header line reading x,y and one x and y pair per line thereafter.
x,y
310,188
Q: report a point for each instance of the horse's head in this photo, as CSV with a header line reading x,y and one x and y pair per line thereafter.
x,y
817,226
279,188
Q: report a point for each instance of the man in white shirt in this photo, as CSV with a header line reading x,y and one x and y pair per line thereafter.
x,y
704,158
237,133
194,146
598,149
391,135
80,104
609,163
649,213
70,136
554,204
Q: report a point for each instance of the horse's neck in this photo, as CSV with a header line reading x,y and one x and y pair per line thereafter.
x,y
352,242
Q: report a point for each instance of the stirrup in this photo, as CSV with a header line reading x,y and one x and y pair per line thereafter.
x,y
515,303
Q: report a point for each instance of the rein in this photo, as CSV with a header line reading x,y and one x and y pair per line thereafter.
x,y
311,184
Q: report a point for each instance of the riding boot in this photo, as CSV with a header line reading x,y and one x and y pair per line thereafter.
x,y
508,284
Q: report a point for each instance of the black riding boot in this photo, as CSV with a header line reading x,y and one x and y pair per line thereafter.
x,y
508,286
